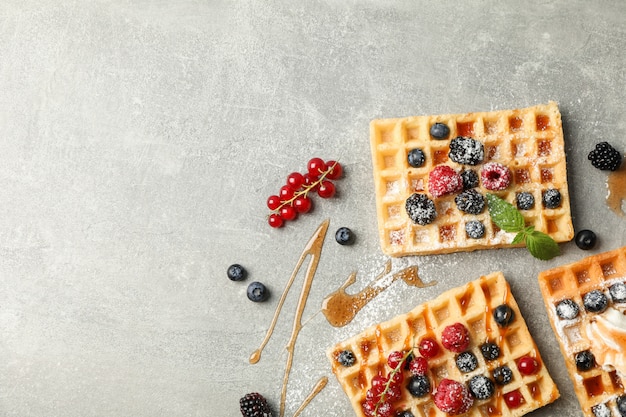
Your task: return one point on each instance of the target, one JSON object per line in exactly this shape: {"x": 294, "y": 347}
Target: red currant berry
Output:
{"x": 273, "y": 202}
{"x": 418, "y": 366}
{"x": 385, "y": 410}
{"x": 310, "y": 182}
{"x": 326, "y": 190}
{"x": 394, "y": 392}
{"x": 288, "y": 212}
{"x": 378, "y": 384}
{"x": 396, "y": 379}
{"x": 286, "y": 193}
{"x": 428, "y": 348}
{"x": 369, "y": 408}
{"x": 302, "y": 204}
{"x": 513, "y": 399}
{"x": 527, "y": 365}
{"x": 316, "y": 167}
{"x": 275, "y": 220}
{"x": 371, "y": 396}
{"x": 334, "y": 170}
{"x": 295, "y": 180}
{"x": 394, "y": 359}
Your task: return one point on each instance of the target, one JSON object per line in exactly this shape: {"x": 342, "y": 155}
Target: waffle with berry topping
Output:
{"x": 466, "y": 352}
{"x": 586, "y": 302}
{"x": 515, "y": 154}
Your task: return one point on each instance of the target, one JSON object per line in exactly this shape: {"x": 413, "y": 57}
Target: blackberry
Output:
{"x": 618, "y": 292}
{"x": 466, "y": 362}
{"x": 346, "y": 358}
{"x": 439, "y": 131}
{"x": 595, "y": 301}
{"x": 551, "y": 198}
{"x": 405, "y": 413}
{"x": 584, "y": 360}
{"x": 419, "y": 385}
{"x": 605, "y": 157}
{"x": 416, "y": 158}
{"x": 420, "y": 209}
{"x": 503, "y": 315}
{"x": 466, "y": 151}
{"x": 585, "y": 239}
{"x": 601, "y": 410}
{"x": 567, "y": 309}
{"x": 470, "y": 179}
{"x": 621, "y": 405}
{"x": 502, "y": 375}
{"x": 481, "y": 387}
{"x": 490, "y": 351}
{"x": 254, "y": 405}
{"x": 257, "y": 292}
{"x": 344, "y": 236}
{"x": 470, "y": 202}
{"x": 525, "y": 200}
{"x": 236, "y": 272}
{"x": 475, "y": 229}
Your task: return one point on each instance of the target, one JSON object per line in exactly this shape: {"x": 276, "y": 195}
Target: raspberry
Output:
{"x": 418, "y": 366}
{"x": 452, "y": 397}
{"x": 466, "y": 151}
{"x": 254, "y": 405}
{"x": 444, "y": 180}
{"x": 495, "y": 176}
{"x": 470, "y": 202}
{"x": 455, "y": 338}
{"x": 420, "y": 209}
{"x": 605, "y": 157}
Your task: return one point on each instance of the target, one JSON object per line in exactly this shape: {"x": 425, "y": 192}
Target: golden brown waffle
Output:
{"x": 471, "y": 305}
{"x": 528, "y": 141}
{"x": 599, "y": 387}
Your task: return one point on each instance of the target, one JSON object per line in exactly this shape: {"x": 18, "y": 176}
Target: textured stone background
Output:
{"x": 139, "y": 141}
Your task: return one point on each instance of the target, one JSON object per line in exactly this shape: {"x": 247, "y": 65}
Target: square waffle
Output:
{"x": 580, "y": 329}
{"x": 473, "y": 306}
{"x": 528, "y": 141}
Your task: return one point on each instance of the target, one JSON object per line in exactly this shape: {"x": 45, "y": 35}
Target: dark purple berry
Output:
{"x": 595, "y": 301}
{"x": 584, "y": 360}
{"x": 503, "y": 315}
{"x": 257, "y": 292}
{"x": 585, "y": 239}
{"x": 481, "y": 387}
{"x": 416, "y": 158}
{"x": 236, "y": 272}
{"x": 567, "y": 309}
{"x": 439, "y": 131}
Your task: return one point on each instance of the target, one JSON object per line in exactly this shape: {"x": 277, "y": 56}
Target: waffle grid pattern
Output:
{"x": 529, "y": 141}
{"x": 595, "y": 386}
{"x": 471, "y": 305}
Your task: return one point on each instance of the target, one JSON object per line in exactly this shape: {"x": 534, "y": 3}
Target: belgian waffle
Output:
{"x": 599, "y": 387}
{"x": 528, "y": 141}
{"x": 471, "y": 305}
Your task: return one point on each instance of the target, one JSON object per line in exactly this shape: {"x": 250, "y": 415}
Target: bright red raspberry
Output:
{"x": 453, "y": 398}
{"x": 418, "y": 366}
{"x": 444, "y": 180}
{"x": 428, "y": 348}
{"x": 495, "y": 176}
{"x": 527, "y": 365}
{"x": 455, "y": 338}
{"x": 394, "y": 359}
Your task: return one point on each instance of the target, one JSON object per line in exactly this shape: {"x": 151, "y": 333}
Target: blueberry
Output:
{"x": 470, "y": 201}
{"x": 466, "y": 362}
{"x": 470, "y": 179}
{"x": 502, "y": 375}
{"x": 618, "y": 292}
{"x": 420, "y": 209}
{"x": 551, "y": 198}
{"x": 416, "y": 158}
{"x": 466, "y": 151}
{"x": 595, "y": 301}
{"x": 346, "y": 358}
{"x": 481, "y": 387}
{"x": 439, "y": 131}
{"x": 344, "y": 236}
{"x": 475, "y": 229}
{"x": 490, "y": 351}
{"x": 601, "y": 410}
{"x": 418, "y": 385}
{"x": 567, "y": 309}
{"x": 621, "y": 405}
{"x": 503, "y": 315}
{"x": 525, "y": 200}
{"x": 405, "y": 413}
{"x": 236, "y": 272}
{"x": 585, "y": 239}
{"x": 257, "y": 292}
{"x": 584, "y": 360}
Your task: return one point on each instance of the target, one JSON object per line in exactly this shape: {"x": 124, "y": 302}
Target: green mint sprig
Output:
{"x": 507, "y": 218}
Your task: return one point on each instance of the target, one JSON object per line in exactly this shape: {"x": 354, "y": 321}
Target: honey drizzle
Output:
{"x": 616, "y": 185}
{"x": 340, "y": 308}
{"x": 316, "y": 390}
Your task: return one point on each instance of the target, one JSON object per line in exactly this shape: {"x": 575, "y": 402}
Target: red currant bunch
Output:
{"x": 385, "y": 390}
{"x": 293, "y": 198}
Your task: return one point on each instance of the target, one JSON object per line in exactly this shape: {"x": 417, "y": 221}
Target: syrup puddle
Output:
{"x": 340, "y": 308}
{"x": 616, "y": 184}
{"x": 314, "y": 249}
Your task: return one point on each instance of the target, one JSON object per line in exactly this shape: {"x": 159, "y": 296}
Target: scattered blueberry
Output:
{"x": 601, "y": 410}
{"x": 503, "y": 315}
{"x": 439, "y": 131}
{"x": 236, "y": 272}
{"x": 418, "y": 385}
{"x": 470, "y": 202}
{"x": 481, "y": 387}
{"x": 502, "y": 375}
{"x": 551, "y": 198}
{"x": 621, "y": 405}
{"x": 420, "y": 209}
{"x": 595, "y": 301}
{"x": 585, "y": 239}
{"x": 475, "y": 229}
{"x": 344, "y": 236}
{"x": 346, "y": 358}
{"x": 490, "y": 351}
{"x": 470, "y": 179}
{"x": 605, "y": 157}
{"x": 525, "y": 200}
{"x": 405, "y": 413}
{"x": 567, "y": 309}
{"x": 618, "y": 292}
{"x": 584, "y": 360}
{"x": 466, "y": 362}
{"x": 466, "y": 151}
{"x": 257, "y": 292}
{"x": 416, "y": 158}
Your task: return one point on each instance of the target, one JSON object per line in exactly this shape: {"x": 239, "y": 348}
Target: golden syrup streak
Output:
{"x": 616, "y": 184}
{"x": 316, "y": 390}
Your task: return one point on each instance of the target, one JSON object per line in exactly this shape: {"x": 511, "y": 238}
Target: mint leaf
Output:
{"x": 541, "y": 246}
{"x": 504, "y": 214}
{"x": 519, "y": 238}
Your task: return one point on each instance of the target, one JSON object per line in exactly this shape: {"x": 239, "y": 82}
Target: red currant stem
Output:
{"x": 393, "y": 372}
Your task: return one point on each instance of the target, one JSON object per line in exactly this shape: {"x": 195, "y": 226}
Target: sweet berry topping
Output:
{"x": 275, "y": 220}
{"x": 416, "y": 158}
{"x": 288, "y": 212}
{"x": 601, "y": 410}
{"x": 418, "y": 366}
{"x": 466, "y": 151}
{"x": 428, "y": 348}
{"x": 295, "y": 180}
{"x": 490, "y": 351}
{"x": 344, "y": 236}
{"x": 335, "y": 170}
{"x": 584, "y": 360}
{"x": 394, "y": 359}
{"x": 455, "y": 338}
{"x": 257, "y": 292}
{"x": 420, "y": 209}
{"x": 236, "y": 272}
{"x": 405, "y": 413}
{"x": 502, "y": 375}
{"x": 585, "y": 239}
{"x": 470, "y": 201}
{"x": 469, "y": 178}
{"x": 475, "y": 229}
{"x": 618, "y": 292}
{"x": 444, "y": 180}
{"x": 326, "y": 190}
{"x": 346, "y": 358}
{"x": 439, "y": 131}
{"x": 551, "y": 198}
{"x": 595, "y": 301}
{"x": 273, "y": 202}
{"x": 466, "y": 362}
{"x": 503, "y": 315}
{"x": 605, "y": 157}
{"x": 452, "y": 397}
{"x": 254, "y": 405}
{"x": 316, "y": 166}
{"x": 621, "y": 405}
{"x": 567, "y": 309}
{"x": 495, "y": 176}
{"x": 527, "y": 365}
{"x": 481, "y": 387}
{"x": 525, "y": 200}
{"x": 418, "y": 385}
{"x": 513, "y": 399}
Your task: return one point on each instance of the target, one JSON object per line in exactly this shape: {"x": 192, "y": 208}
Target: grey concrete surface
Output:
{"x": 139, "y": 141}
